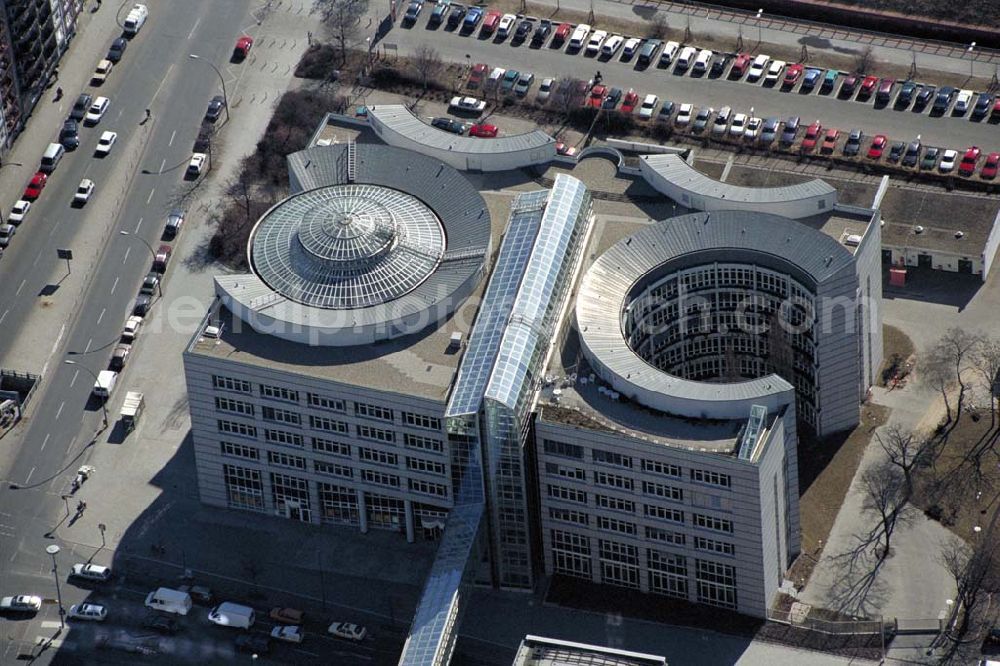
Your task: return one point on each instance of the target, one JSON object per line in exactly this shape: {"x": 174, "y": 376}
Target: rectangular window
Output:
{"x": 338, "y": 504}
{"x": 612, "y": 480}
{"x": 657, "y": 467}
{"x": 571, "y": 554}
{"x": 708, "y": 501}
{"x": 667, "y": 573}
{"x": 712, "y": 523}
{"x": 235, "y": 428}
{"x": 244, "y": 488}
{"x": 567, "y": 494}
{"x": 231, "y": 384}
{"x": 279, "y": 415}
{"x": 284, "y": 437}
{"x": 619, "y": 563}
{"x": 663, "y": 490}
{"x": 566, "y": 472}
{"x": 379, "y": 478}
{"x": 278, "y": 393}
{"x": 378, "y": 457}
{"x": 423, "y": 443}
{"x": 665, "y": 536}
{"x": 613, "y": 525}
{"x": 614, "y": 503}
{"x": 285, "y": 460}
{"x": 421, "y": 421}
{"x": 331, "y": 447}
{"x": 611, "y": 458}
{"x": 663, "y": 513}
{"x": 568, "y": 516}
{"x": 428, "y": 488}
{"x": 563, "y": 449}
{"x": 333, "y": 469}
{"x": 428, "y": 466}
{"x": 233, "y": 450}
{"x": 716, "y": 583}
{"x": 376, "y": 434}
{"x": 329, "y": 425}
{"x": 367, "y": 411}
{"x": 711, "y": 478}
{"x": 326, "y": 402}
{"x": 233, "y": 406}
{"x": 713, "y": 546}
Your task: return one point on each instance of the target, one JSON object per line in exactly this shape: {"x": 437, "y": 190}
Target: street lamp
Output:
{"x": 104, "y": 400}
{"x": 760, "y": 38}
{"x": 53, "y": 550}
{"x": 225, "y": 98}
{"x": 66, "y": 500}
{"x": 100, "y": 526}
{"x": 972, "y": 60}
{"x": 159, "y": 283}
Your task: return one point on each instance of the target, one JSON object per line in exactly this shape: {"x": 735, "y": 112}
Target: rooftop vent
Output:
{"x": 853, "y": 240}
{"x": 455, "y": 341}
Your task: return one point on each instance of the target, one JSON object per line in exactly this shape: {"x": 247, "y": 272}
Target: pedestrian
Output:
{"x": 147, "y": 114}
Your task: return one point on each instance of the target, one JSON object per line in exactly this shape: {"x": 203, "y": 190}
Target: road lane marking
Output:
{"x": 28, "y": 480}
{"x": 172, "y": 136}
{"x": 193, "y": 28}
{"x": 86, "y": 349}
{"x": 55, "y": 345}
{"x": 114, "y": 286}
{"x": 73, "y": 381}
{"x": 101, "y": 316}
{"x": 137, "y": 225}
{"x": 163, "y": 164}
{"x": 150, "y": 197}
{"x": 4, "y": 315}
{"x": 47, "y": 436}
{"x": 165, "y": 77}
{"x": 125, "y": 258}
{"x": 58, "y": 412}
{"x": 18, "y": 292}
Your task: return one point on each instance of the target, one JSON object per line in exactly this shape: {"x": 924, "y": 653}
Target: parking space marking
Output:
{"x": 163, "y": 164}
{"x": 4, "y": 315}
{"x": 193, "y": 28}
{"x": 87, "y": 348}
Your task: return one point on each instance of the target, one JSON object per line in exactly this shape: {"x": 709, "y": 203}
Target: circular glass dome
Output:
{"x": 347, "y": 246}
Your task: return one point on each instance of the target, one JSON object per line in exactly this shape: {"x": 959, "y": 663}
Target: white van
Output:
{"x": 757, "y": 67}
{"x": 701, "y": 64}
{"x": 169, "y": 601}
{"x": 228, "y": 614}
{"x": 51, "y": 157}
{"x": 668, "y": 53}
{"x": 684, "y": 59}
{"x": 105, "y": 383}
{"x": 136, "y": 18}
{"x": 580, "y": 34}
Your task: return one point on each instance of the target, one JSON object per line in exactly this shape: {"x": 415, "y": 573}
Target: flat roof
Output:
{"x": 539, "y": 651}
{"x": 942, "y": 216}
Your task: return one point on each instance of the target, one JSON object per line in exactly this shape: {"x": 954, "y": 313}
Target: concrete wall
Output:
{"x": 839, "y": 366}
{"x": 992, "y": 244}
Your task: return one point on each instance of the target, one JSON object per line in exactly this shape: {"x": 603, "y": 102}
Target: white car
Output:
{"x": 18, "y": 211}
{"x": 97, "y": 111}
{"x": 738, "y": 125}
{"x": 22, "y": 603}
{"x": 721, "y": 120}
{"x": 506, "y": 23}
{"x": 196, "y": 164}
{"x": 757, "y": 67}
{"x": 948, "y": 159}
{"x": 578, "y": 36}
{"x": 545, "y": 90}
{"x": 131, "y": 330}
{"x": 631, "y": 46}
{"x": 90, "y": 572}
{"x": 88, "y": 611}
{"x": 105, "y": 143}
{"x": 468, "y": 104}
{"x": 684, "y": 114}
{"x": 962, "y": 101}
{"x": 596, "y": 41}
{"x": 288, "y": 633}
{"x": 753, "y": 129}
{"x": 496, "y": 76}
{"x": 83, "y": 191}
{"x": 648, "y": 106}
{"x": 349, "y": 631}
{"x": 100, "y": 74}
{"x": 7, "y": 232}
{"x": 703, "y": 60}
{"x": 611, "y": 45}
{"x": 774, "y": 71}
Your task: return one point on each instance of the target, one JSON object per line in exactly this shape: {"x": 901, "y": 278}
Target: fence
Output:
{"x": 832, "y": 627}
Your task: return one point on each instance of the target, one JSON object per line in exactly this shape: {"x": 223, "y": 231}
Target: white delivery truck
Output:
{"x": 105, "y": 384}
{"x": 132, "y": 409}
{"x": 228, "y": 614}
{"x": 169, "y": 601}
{"x": 136, "y": 18}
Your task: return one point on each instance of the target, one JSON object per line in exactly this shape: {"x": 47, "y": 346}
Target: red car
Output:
{"x": 812, "y": 136}
{"x": 740, "y": 65}
{"x": 991, "y": 165}
{"x": 830, "y": 140}
{"x": 35, "y": 187}
{"x": 564, "y": 149}
{"x": 491, "y": 21}
{"x": 243, "y": 46}
{"x": 562, "y": 33}
{"x": 792, "y": 74}
{"x": 597, "y": 95}
{"x": 631, "y": 99}
{"x": 967, "y": 166}
{"x": 161, "y": 258}
{"x": 878, "y": 146}
{"x": 479, "y": 72}
{"x": 483, "y": 131}
{"x": 850, "y": 83}
{"x": 868, "y": 86}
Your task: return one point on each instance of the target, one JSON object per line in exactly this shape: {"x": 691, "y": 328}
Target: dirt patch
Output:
{"x": 898, "y": 353}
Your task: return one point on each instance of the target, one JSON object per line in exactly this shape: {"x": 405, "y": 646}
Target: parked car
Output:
{"x": 912, "y": 153}
{"x": 906, "y": 94}
{"x": 119, "y": 357}
{"x": 719, "y": 64}
{"x": 505, "y": 25}
{"x": 611, "y": 98}
{"x": 22, "y": 603}
{"x": 97, "y": 111}
{"x": 562, "y": 33}
{"x": 596, "y": 98}
{"x": 88, "y": 611}
{"x": 150, "y": 283}
{"x": 131, "y": 329}
{"x": 69, "y": 135}
{"x": 853, "y": 144}
{"x": 790, "y": 129}
{"x": 83, "y": 192}
{"x": 596, "y": 41}
{"x": 990, "y": 166}
{"x": 541, "y": 33}
{"x": 18, "y": 211}
{"x": 215, "y": 107}
{"x": 924, "y": 95}
{"x": 490, "y": 22}
{"x": 35, "y": 186}
{"x": 455, "y": 16}
{"x": 439, "y": 11}
{"x": 774, "y": 72}
{"x": 949, "y": 158}
{"x": 812, "y": 136}
{"x": 162, "y": 624}
{"x": 666, "y": 110}
{"x": 884, "y": 94}
{"x": 811, "y": 78}
{"x": 105, "y": 143}
{"x": 253, "y": 643}
{"x": 701, "y": 119}
{"x": 288, "y": 634}
{"x": 348, "y": 630}
{"x": 479, "y": 71}
{"x": 544, "y": 90}
{"x": 792, "y": 75}
{"x": 983, "y": 103}
{"x": 930, "y": 158}
{"x": 175, "y": 220}
{"x": 757, "y": 68}
{"x": 472, "y": 18}
{"x": 878, "y": 146}
{"x": 161, "y": 258}
{"x": 943, "y": 99}
{"x": 242, "y": 48}
{"x": 483, "y": 131}
{"x": 967, "y": 166}
{"x": 740, "y": 65}
{"x": 509, "y": 79}
{"x": 449, "y": 125}
{"x": 722, "y": 120}
{"x": 140, "y": 308}
{"x": 117, "y": 50}
{"x": 470, "y": 104}
{"x": 684, "y": 114}
{"x": 101, "y": 72}
{"x": 611, "y": 45}
{"x": 80, "y": 107}
{"x": 849, "y": 86}
{"x": 630, "y": 47}
{"x": 769, "y": 130}
{"x": 630, "y": 101}
{"x": 523, "y": 84}
{"x": 830, "y": 140}
{"x": 7, "y": 232}
{"x": 896, "y": 151}
{"x": 738, "y": 125}
{"x": 196, "y": 164}
{"x": 648, "y": 106}
{"x": 287, "y": 615}
{"x": 753, "y": 129}
{"x": 829, "y": 81}
{"x": 867, "y": 87}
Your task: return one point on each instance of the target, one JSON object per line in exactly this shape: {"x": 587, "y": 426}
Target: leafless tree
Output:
{"x": 885, "y": 497}
{"x": 658, "y": 26}
{"x": 426, "y": 62}
{"x": 567, "y": 95}
{"x": 986, "y": 363}
{"x": 956, "y": 348}
{"x": 906, "y": 450}
{"x": 342, "y": 20}
{"x": 974, "y": 569}
{"x": 937, "y": 372}
{"x": 864, "y": 60}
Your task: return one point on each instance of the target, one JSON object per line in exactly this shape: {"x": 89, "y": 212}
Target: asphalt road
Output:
{"x": 155, "y": 73}
{"x": 702, "y": 91}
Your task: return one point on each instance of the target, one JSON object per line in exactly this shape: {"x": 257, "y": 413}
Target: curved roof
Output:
{"x": 694, "y": 238}
{"x": 676, "y": 170}
{"x": 375, "y": 242}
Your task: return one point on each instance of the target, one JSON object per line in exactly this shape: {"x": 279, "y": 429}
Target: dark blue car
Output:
{"x": 472, "y": 18}
{"x": 811, "y": 78}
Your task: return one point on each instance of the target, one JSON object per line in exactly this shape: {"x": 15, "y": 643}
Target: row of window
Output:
{"x": 655, "y": 511}
{"x": 316, "y": 423}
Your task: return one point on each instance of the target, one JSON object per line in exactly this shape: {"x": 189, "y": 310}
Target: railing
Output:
{"x": 832, "y": 627}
